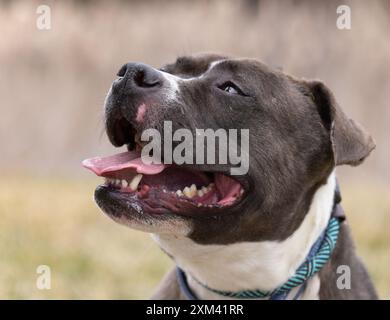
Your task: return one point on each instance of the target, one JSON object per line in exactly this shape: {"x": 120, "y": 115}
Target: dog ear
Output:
{"x": 351, "y": 144}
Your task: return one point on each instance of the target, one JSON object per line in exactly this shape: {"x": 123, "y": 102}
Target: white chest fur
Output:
{"x": 253, "y": 265}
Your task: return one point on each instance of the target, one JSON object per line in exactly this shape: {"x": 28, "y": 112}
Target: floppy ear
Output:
{"x": 351, "y": 144}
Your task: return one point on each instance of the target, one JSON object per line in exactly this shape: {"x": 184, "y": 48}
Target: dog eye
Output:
{"x": 231, "y": 88}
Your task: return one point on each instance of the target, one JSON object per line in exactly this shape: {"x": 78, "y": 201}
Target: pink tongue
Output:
{"x": 120, "y": 161}
{"x": 228, "y": 188}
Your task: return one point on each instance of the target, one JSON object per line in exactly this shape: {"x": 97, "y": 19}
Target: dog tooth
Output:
{"x": 187, "y": 192}
{"x": 135, "y": 182}
{"x": 193, "y": 190}
{"x": 205, "y": 190}
{"x": 117, "y": 182}
{"x": 124, "y": 183}
{"x": 200, "y": 193}
{"x": 179, "y": 193}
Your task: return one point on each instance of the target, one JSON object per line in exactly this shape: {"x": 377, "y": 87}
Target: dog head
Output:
{"x": 297, "y": 135}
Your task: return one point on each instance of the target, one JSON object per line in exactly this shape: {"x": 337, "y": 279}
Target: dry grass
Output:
{"x": 54, "y": 222}
{"x": 368, "y": 212}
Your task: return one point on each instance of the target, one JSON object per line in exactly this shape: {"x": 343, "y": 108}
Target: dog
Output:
{"x": 251, "y": 242}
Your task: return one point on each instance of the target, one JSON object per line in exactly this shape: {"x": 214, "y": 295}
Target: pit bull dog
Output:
{"x": 274, "y": 232}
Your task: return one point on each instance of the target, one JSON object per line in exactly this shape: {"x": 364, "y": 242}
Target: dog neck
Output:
{"x": 261, "y": 265}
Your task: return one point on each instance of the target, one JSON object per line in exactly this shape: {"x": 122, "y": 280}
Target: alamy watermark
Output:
{"x": 44, "y": 277}
{"x": 44, "y": 17}
{"x": 232, "y": 145}
{"x": 343, "y": 281}
{"x": 343, "y": 21}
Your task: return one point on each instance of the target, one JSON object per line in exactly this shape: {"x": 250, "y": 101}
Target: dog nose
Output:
{"x": 140, "y": 75}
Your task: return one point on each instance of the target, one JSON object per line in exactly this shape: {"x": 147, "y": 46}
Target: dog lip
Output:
{"x": 115, "y": 203}
{"x": 120, "y": 131}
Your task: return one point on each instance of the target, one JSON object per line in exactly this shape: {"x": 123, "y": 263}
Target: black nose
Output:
{"x": 140, "y": 75}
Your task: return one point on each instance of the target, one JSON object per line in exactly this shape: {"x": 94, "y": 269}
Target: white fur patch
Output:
{"x": 261, "y": 265}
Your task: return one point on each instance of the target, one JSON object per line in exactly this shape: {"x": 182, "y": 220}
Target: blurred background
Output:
{"x": 52, "y": 86}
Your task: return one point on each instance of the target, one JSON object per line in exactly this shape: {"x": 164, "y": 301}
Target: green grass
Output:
{"x": 55, "y": 223}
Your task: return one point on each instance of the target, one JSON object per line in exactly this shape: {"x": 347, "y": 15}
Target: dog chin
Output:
{"x": 131, "y": 213}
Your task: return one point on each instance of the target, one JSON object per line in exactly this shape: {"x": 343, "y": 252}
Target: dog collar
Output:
{"x": 318, "y": 255}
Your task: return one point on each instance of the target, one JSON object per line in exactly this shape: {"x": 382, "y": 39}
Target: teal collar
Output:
{"x": 319, "y": 254}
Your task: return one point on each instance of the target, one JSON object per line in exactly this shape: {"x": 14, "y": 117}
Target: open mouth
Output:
{"x": 160, "y": 188}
